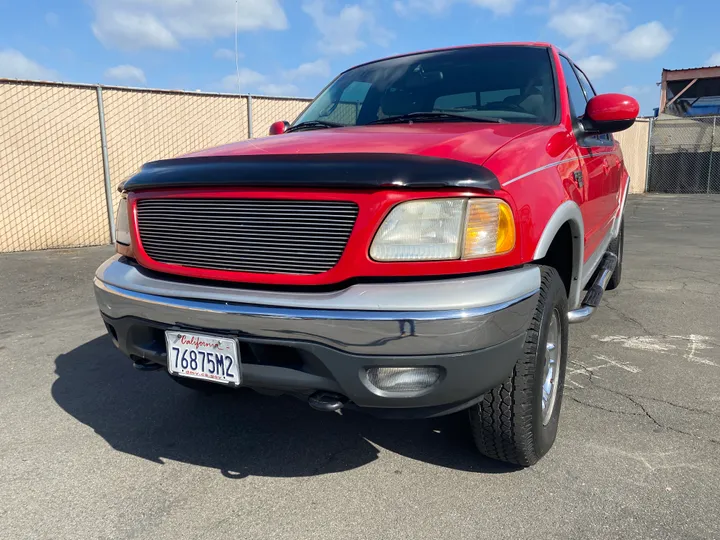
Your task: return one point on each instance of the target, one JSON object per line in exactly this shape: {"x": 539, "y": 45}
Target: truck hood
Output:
{"x": 428, "y": 156}
{"x": 473, "y": 143}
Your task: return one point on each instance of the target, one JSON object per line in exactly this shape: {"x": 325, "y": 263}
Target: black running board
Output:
{"x": 595, "y": 292}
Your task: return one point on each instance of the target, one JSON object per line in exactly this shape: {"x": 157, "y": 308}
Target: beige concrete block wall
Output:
{"x": 52, "y": 191}
{"x": 146, "y": 126}
{"x": 634, "y": 144}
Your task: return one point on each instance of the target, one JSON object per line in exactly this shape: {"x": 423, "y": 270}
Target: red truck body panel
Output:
{"x": 464, "y": 142}
{"x": 537, "y": 167}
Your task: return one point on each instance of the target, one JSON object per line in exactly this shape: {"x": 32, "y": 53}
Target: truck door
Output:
{"x": 593, "y": 168}
{"x": 613, "y": 165}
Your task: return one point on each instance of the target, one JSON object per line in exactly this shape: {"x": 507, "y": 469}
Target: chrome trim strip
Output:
{"x": 246, "y": 235}
{"x": 555, "y": 164}
{"x": 436, "y": 295}
{"x": 225, "y": 308}
{"x": 362, "y": 332}
{"x": 621, "y": 212}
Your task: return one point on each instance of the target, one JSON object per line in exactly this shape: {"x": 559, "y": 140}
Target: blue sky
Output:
{"x": 294, "y": 47}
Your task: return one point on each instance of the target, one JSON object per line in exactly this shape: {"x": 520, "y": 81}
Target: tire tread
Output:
{"x": 502, "y": 423}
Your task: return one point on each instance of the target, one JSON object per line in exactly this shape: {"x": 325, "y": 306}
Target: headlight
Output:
{"x": 445, "y": 229}
{"x": 122, "y": 224}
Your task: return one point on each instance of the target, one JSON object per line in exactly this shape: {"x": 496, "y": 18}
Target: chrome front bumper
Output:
{"x": 413, "y": 318}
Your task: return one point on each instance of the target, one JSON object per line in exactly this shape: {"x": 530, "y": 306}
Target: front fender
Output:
{"x": 568, "y": 212}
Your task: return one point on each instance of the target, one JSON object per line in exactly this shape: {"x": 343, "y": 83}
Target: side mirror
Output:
{"x": 278, "y": 128}
{"x": 609, "y": 113}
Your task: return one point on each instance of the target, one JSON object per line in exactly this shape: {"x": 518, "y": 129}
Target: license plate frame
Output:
{"x": 211, "y": 353}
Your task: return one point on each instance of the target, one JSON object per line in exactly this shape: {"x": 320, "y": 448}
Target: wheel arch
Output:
{"x": 567, "y": 217}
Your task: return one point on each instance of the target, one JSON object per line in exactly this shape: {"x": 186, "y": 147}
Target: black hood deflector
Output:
{"x": 339, "y": 171}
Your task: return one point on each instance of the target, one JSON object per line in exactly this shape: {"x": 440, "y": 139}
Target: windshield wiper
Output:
{"x": 313, "y": 124}
{"x": 434, "y": 117}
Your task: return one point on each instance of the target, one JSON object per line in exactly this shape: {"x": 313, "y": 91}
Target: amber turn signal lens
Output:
{"x": 489, "y": 228}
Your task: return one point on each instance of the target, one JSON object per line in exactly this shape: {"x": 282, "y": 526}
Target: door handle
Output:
{"x": 578, "y": 177}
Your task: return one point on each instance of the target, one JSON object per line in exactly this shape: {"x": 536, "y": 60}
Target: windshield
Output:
{"x": 507, "y": 83}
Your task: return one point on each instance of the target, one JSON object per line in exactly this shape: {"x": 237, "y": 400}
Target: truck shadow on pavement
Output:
{"x": 241, "y": 433}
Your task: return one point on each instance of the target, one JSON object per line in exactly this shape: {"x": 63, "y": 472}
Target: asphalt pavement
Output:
{"x": 91, "y": 448}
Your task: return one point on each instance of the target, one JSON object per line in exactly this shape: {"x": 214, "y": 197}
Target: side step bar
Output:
{"x": 594, "y": 294}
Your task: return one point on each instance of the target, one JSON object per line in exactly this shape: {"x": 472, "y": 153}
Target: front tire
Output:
{"x": 517, "y": 422}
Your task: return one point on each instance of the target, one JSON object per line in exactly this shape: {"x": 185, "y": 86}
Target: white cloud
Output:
{"x": 252, "y": 82}
{"x": 163, "y": 24}
{"x": 596, "y": 66}
{"x": 52, "y": 19}
{"x": 638, "y": 90}
{"x": 318, "y": 68}
{"x": 714, "y": 60}
{"x": 410, "y": 7}
{"x": 243, "y": 81}
{"x": 130, "y": 31}
{"x": 15, "y": 65}
{"x": 249, "y": 81}
{"x": 588, "y": 23}
{"x": 126, "y": 73}
{"x": 644, "y": 42}
{"x": 341, "y": 33}
{"x": 279, "y": 89}
{"x": 227, "y": 54}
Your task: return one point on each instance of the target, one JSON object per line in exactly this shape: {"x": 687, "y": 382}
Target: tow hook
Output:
{"x": 326, "y": 401}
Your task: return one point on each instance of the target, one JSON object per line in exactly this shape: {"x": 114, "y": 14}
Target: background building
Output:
{"x": 690, "y": 92}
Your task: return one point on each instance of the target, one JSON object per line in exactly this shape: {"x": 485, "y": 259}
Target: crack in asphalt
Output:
{"x": 684, "y": 407}
{"x": 627, "y": 318}
{"x": 601, "y": 408}
{"x": 645, "y": 412}
{"x": 692, "y": 271}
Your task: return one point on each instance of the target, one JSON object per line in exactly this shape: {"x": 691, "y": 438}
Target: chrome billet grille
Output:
{"x": 246, "y": 235}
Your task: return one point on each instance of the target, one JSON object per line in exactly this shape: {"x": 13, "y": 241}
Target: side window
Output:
{"x": 468, "y": 100}
{"x": 589, "y": 94}
{"x": 587, "y": 87}
{"x": 575, "y": 91}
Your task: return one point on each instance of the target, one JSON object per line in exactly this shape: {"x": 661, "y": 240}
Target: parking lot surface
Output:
{"x": 91, "y": 448}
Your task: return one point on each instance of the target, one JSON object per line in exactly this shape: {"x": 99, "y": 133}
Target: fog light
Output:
{"x": 403, "y": 379}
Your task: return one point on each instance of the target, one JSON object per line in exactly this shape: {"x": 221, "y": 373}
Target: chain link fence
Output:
{"x": 51, "y": 170}
{"x": 266, "y": 110}
{"x": 64, "y": 149}
{"x": 147, "y": 126}
{"x": 684, "y": 155}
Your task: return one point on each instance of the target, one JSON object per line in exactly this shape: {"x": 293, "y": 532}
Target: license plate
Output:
{"x": 198, "y": 356}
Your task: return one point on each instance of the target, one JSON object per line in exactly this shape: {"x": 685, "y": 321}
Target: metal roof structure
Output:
{"x": 690, "y": 91}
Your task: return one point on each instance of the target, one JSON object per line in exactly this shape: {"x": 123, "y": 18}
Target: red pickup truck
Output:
{"x": 413, "y": 245}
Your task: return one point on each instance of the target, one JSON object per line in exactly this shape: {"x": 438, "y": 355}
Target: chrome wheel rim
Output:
{"x": 551, "y": 367}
